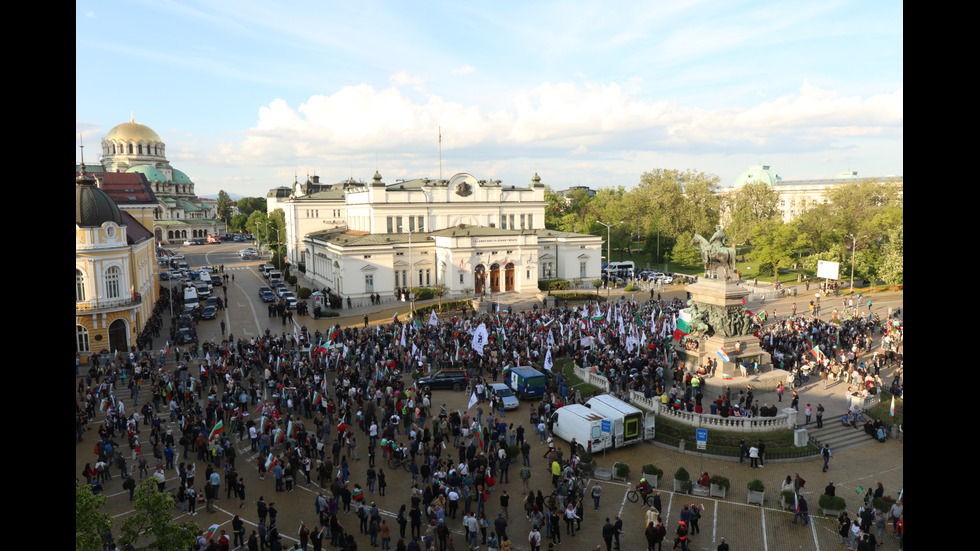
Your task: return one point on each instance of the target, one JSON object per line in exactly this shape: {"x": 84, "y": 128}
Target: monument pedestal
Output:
{"x": 728, "y": 296}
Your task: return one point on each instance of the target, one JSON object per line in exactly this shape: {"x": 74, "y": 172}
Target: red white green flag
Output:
{"x": 891, "y": 410}
{"x": 218, "y": 428}
{"x": 480, "y": 438}
{"x": 211, "y": 532}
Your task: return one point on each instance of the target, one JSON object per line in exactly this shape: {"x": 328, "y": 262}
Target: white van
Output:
{"x": 578, "y": 422}
{"x": 629, "y": 423}
{"x": 190, "y": 294}
{"x": 275, "y": 276}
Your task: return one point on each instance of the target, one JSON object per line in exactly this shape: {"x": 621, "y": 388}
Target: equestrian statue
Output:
{"x": 715, "y": 255}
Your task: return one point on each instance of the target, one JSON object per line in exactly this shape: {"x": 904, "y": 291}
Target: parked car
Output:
{"x": 209, "y": 313}
{"x": 266, "y": 294}
{"x": 290, "y": 299}
{"x": 455, "y": 379}
{"x": 505, "y": 394}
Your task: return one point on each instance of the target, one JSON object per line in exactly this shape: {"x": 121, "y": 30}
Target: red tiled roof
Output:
{"x": 126, "y": 188}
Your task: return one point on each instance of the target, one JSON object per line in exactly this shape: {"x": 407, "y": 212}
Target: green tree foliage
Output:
{"x": 237, "y": 223}
{"x": 152, "y": 526}
{"x": 748, "y": 206}
{"x": 224, "y": 206}
{"x": 775, "y": 245}
{"x": 685, "y": 254}
{"x": 892, "y": 257}
{"x": 90, "y": 521}
{"x": 675, "y": 201}
{"x": 248, "y": 205}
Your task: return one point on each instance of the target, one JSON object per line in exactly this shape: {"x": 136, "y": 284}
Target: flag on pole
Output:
{"x": 724, "y": 357}
{"x": 472, "y": 400}
{"x": 480, "y": 438}
{"x": 548, "y": 363}
{"x": 218, "y": 428}
{"x": 211, "y": 532}
{"x": 891, "y": 410}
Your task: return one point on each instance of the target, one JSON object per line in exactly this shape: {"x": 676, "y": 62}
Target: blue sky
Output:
{"x": 248, "y": 94}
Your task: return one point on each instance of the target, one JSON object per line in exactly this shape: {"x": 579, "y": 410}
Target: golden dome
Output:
{"x": 132, "y": 132}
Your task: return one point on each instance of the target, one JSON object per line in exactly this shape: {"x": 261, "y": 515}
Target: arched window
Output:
{"x": 129, "y": 148}
{"x": 112, "y": 281}
{"x": 80, "y": 294}
{"x": 140, "y": 148}
{"x": 81, "y": 339}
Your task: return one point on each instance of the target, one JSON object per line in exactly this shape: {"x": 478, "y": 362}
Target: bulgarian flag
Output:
{"x": 317, "y": 399}
{"x": 302, "y": 526}
{"x": 270, "y": 462}
{"x": 279, "y": 436}
{"x": 218, "y": 428}
{"x": 480, "y": 438}
{"x": 291, "y": 430}
{"x": 796, "y": 502}
{"x": 684, "y": 319}
{"x": 891, "y": 410}
{"x": 166, "y": 347}
{"x": 211, "y": 532}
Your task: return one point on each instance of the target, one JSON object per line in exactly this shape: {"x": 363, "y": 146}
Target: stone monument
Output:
{"x": 716, "y": 315}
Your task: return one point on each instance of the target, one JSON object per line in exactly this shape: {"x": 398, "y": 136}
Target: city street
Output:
{"x": 744, "y": 526}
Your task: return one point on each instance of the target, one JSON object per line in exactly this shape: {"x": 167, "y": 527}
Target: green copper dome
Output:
{"x": 758, "y": 173}
{"x": 151, "y": 173}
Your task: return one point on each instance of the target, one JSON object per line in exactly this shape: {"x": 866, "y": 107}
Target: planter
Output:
{"x": 786, "y": 501}
{"x": 682, "y": 486}
{"x": 831, "y": 512}
{"x": 652, "y": 479}
{"x": 756, "y": 497}
{"x": 699, "y": 490}
{"x": 715, "y": 490}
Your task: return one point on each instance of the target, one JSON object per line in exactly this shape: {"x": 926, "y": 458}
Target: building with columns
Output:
{"x": 474, "y": 236}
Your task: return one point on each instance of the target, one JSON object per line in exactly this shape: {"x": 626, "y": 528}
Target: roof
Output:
{"x": 135, "y": 232}
{"x": 126, "y": 188}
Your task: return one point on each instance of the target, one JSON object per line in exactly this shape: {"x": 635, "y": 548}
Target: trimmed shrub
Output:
{"x": 833, "y": 503}
{"x": 682, "y": 475}
{"x": 756, "y": 486}
{"x": 303, "y": 293}
{"x": 650, "y": 468}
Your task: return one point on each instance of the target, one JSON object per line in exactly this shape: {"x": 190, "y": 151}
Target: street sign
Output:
{"x": 606, "y": 426}
{"x": 702, "y": 437}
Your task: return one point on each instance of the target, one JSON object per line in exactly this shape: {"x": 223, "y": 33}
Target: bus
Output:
{"x": 213, "y": 239}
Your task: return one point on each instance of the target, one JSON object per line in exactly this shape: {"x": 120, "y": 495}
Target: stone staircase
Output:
{"x": 839, "y": 437}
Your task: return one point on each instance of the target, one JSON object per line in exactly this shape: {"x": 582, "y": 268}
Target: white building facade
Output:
{"x": 474, "y": 236}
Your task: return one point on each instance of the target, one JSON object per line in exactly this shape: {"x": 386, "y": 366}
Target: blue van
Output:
{"x": 526, "y": 382}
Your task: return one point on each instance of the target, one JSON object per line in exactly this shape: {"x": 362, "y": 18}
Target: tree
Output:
{"x": 237, "y": 223}
{"x": 685, "y": 254}
{"x": 440, "y": 290}
{"x": 90, "y": 522}
{"x": 892, "y": 269}
{"x": 224, "y": 206}
{"x": 776, "y": 243}
{"x": 684, "y": 201}
{"x": 152, "y": 523}
{"x": 748, "y": 206}
{"x": 554, "y": 210}
{"x": 248, "y": 205}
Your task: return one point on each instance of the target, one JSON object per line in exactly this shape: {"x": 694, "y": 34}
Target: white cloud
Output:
{"x": 558, "y": 119}
{"x": 464, "y": 70}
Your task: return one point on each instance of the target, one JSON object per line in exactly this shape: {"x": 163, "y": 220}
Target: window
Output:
{"x": 512, "y": 226}
{"x": 581, "y": 269}
{"x": 112, "y": 277}
{"x": 80, "y": 293}
{"x": 401, "y": 225}
{"x": 396, "y": 279}
{"x": 411, "y": 223}
{"x": 391, "y": 228}
{"x": 421, "y": 223}
{"x": 522, "y": 222}
{"x": 427, "y": 274}
{"x": 369, "y": 283}
{"x": 503, "y": 222}
{"x": 81, "y": 339}
{"x": 461, "y": 278}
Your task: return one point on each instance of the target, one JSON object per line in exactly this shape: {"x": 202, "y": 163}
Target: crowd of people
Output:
{"x": 311, "y": 403}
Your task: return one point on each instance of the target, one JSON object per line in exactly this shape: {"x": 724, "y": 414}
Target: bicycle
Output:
{"x": 634, "y": 495}
{"x": 395, "y": 464}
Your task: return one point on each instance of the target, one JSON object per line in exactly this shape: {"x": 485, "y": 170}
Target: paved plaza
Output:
{"x": 744, "y": 526}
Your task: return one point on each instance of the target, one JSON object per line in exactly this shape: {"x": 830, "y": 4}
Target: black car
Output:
{"x": 454, "y": 379}
{"x": 209, "y": 313}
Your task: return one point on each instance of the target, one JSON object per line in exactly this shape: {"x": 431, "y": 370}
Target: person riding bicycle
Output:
{"x": 644, "y": 488}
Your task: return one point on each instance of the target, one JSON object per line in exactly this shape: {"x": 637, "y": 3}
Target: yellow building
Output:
{"x": 116, "y": 281}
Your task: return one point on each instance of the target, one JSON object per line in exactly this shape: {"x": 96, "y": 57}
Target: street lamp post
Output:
{"x": 609, "y": 252}
{"x": 853, "y": 250}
